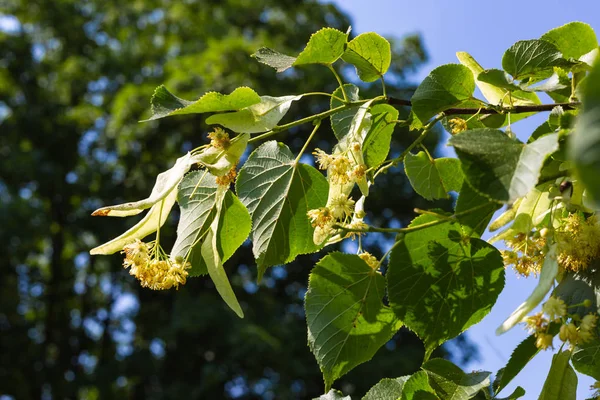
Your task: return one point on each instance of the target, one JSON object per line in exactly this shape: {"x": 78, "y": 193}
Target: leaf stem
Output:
{"x": 339, "y": 80}
{"x": 317, "y": 125}
{"x": 323, "y": 94}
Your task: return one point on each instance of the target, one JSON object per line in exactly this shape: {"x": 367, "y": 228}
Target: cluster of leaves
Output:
{"x": 441, "y": 277}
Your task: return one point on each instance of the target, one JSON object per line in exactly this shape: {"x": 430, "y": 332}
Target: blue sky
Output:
{"x": 485, "y": 29}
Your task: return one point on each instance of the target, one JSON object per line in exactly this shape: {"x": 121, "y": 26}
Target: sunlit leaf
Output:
{"x": 165, "y": 104}
{"x": 561, "y": 383}
{"x": 433, "y": 179}
{"x": 499, "y": 167}
{"x": 347, "y": 320}
{"x": 371, "y": 55}
{"x": 450, "y": 382}
{"x": 441, "y": 280}
{"x": 445, "y": 87}
{"x": 278, "y": 193}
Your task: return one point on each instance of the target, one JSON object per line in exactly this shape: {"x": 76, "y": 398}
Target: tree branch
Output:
{"x": 493, "y": 110}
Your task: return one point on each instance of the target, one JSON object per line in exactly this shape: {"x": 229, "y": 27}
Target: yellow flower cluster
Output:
{"x": 340, "y": 168}
{"x": 573, "y": 329}
{"x": 219, "y": 139}
{"x": 457, "y": 125}
{"x": 578, "y": 242}
{"x": 527, "y": 253}
{"x": 228, "y": 178}
{"x": 151, "y": 270}
{"x": 370, "y": 260}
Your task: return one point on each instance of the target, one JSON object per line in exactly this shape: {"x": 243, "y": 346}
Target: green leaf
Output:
{"x": 499, "y": 167}
{"x": 234, "y": 226}
{"x": 347, "y": 320}
{"x": 274, "y": 59}
{"x": 441, "y": 281}
{"x": 256, "y": 118}
{"x": 474, "y": 222}
{"x": 433, "y": 179}
{"x": 519, "y": 358}
{"x": 377, "y": 142}
{"x": 561, "y": 383}
{"x": 584, "y": 142}
{"x": 445, "y": 87}
{"x": 528, "y": 58}
{"x": 417, "y": 387}
{"x": 573, "y": 40}
{"x": 450, "y": 382}
{"x": 341, "y": 121}
{"x": 197, "y": 201}
{"x": 165, "y": 104}
{"x": 333, "y": 395}
{"x": 196, "y": 198}
{"x": 387, "y": 389}
{"x": 371, "y": 54}
{"x": 586, "y": 358}
{"x": 214, "y": 263}
{"x": 278, "y": 193}
{"x": 324, "y": 47}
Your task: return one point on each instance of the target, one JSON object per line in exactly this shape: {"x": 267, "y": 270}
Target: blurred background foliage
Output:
{"x": 75, "y": 77}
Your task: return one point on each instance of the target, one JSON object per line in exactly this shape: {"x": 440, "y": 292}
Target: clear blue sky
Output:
{"x": 485, "y": 29}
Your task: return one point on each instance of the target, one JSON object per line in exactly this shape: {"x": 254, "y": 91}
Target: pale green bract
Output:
{"x": 256, "y": 118}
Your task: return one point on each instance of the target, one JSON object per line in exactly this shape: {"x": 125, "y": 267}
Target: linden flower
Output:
{"x": 320, "y": 217}
{"x": 568, "y": 332}
{"x": 357, "y": 224}
{"x": 338, "y": 169}
{"x": 219, "y": 139}
{"x": 136, "y": 252}
{"x": 555, "y": 308}
{"x": 543, "y": 341}
{"x": 228, "y": 178}
{"x": 358, "y": 172}
{"x": 536, "y": 323}
{"x": 341, "y": 207}
{"x": 370, "y": 260}
{"x": 457, "y": 125}
{"x": 588, "y": 323}
{"x": 578, "y": 242}
{"x": 527, "y": 254}
{"x": 323, "y": 159}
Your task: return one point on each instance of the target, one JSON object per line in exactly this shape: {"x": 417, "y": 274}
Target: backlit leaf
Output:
{"x": 278, "y": 193}
{"x": 165, "y": 104}
{"x": 371, "y": 55}
{"x": 441, "y": 281}
{"x": 347, "y": 320}
{"x": 445, "y": 87}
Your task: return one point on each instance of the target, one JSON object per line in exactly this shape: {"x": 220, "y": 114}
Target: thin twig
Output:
{"x": 494, "y": 110}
